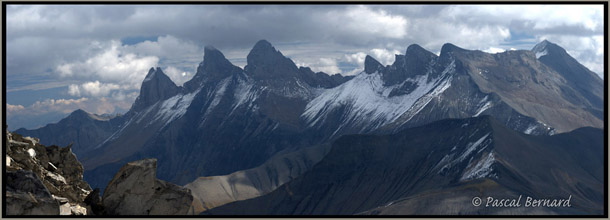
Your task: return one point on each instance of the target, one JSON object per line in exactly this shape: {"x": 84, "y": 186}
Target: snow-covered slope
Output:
{"x": 367, "y": 102}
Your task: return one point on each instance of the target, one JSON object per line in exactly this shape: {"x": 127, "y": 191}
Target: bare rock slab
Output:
{"x": 26, "y": 195}
{"x": 135, "y": 190}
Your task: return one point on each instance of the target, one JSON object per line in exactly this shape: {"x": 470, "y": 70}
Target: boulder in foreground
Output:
{"x": 135, "y": 190}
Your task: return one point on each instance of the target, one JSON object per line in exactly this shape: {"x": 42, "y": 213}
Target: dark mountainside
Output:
{"x": 438, "y": 168}
{"x": 581, "y": 79}
{"x": 81, "y": 129}
{"x": 190, "y": 132}
{"x": 228, "y": 119}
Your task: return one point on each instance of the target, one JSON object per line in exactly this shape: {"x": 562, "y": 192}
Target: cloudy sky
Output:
{"x": 94, "y": 57}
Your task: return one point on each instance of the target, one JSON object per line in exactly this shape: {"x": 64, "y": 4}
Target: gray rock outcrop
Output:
{"x": 135, "y": 190}
{"x": 56, "y": 169}
{"x": 27, "y": 195}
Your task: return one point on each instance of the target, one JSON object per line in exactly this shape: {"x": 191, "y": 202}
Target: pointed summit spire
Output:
{"x": 547, "y": 48}
{"x": 371, "y": 64}
{"x": 214, "y": 67}
{"x": 449, "y": 47}
{"x": 79, "y": 113}
{"x": 415, "y": 50}
{"x": 263, "y": 53}
{"x": 415, "y": 62}
{"x": 576, "y": 74}
{"x": 265, "y": 62}
{"x": 155, "y": 87}
{"x": 212, "y": 56}
{"x": 263, "y": 45}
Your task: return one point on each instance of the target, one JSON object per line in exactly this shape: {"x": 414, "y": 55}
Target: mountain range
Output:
{"x": 438, "y": 168}
{"x": 227, "y": 119}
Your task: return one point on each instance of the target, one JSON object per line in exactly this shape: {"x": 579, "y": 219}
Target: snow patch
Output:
{"x": 220, "y": 91}
{"x": 541, "y": 53}
{"x": 530, "y": 129}
{"x": 57, "y": 177}
{"x": 472, "y": 147}
{"x": 484, "y": 107}
{"x": 32, "y": 152}
{"x": 174, "y": 107}
{"x": 450, "y": 160}
{"x": 368, "y": 103}
{"x": 53, "y": 166}
{"x": 245, "y": 93}
{"x": 150, "y": 76}
{"x": 481, "y": 169}
{"x": 31, "y": 139}
{"x": 425, "y": 100}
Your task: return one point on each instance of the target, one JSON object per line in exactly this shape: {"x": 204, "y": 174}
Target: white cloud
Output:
{"x": 95, "y": 88}
{"x": 101, "y": 105}
{"x": 123, "y": 67}
{"x": 541, "y": 16}
{"x": 81, "y": 46}
{"x": 326, "y": 65}
{"x": 11, "y": 109}
{"x": 45, "y": 106}
{"x": 357, "y": 58}
{"x": 112, "y": 65}
{"x": 495, "y": 50}
{"x": 178, "y": 76}
{"x": 364, "y": 20}
{"x": 384, "y": 56}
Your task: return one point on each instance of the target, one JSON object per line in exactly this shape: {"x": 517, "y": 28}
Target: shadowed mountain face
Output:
{"x": 156, "y": 87}
{"x": 228, "y": 119}
{"x": 224, "y": 120}
{"x": 81, "y": 129}
{"x": 438, "y": 168}
{"x": 584, "y": 83}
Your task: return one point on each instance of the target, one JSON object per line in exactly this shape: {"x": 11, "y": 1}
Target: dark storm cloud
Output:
{"x": 104, "y": 51}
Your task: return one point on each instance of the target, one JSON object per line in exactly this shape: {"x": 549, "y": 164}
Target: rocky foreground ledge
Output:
{"x": 49, "y": 181}
{"x": 135, "y": 190}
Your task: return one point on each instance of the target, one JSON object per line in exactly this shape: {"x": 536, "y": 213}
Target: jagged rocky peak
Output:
{"x": 371, "y": 65}
{"x": 155, "y": 87}
{"x": 265, "y": 62}
{"x": 79, "y": 113}
{"x": 450, "y": 48}
{"x": 540, "y": 49}
{"x": 213, "y": 56}
{"x": 415, "y": 62}
{"x": 585, "y": 81}
{"x": 215, "y": 66}
{"x": 546, "y": 47}
{"x": 416, "y": 51}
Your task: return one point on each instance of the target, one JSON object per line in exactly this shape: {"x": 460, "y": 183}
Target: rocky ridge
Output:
{"x": 438, "y": 168}
{"x": 53, "y": 173}
{"x": 135, "y": 190}
{"x": 49, "y": 181}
